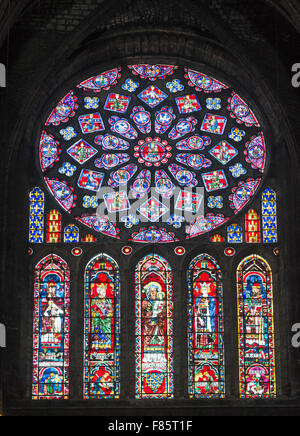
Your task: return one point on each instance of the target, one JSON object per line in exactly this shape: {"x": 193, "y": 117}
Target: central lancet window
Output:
{"x": 206, "y": 329}
{"x": 154, "y": 329}
{"x": 102, "y": 329}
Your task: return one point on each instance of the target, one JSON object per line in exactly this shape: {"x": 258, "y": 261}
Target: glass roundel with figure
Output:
{"x": 152, "y": 153}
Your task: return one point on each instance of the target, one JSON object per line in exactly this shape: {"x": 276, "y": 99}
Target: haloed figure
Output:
{"x": 154, "y": 318}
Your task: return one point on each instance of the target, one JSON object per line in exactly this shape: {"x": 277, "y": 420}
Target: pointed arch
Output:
{"x": 154, "y": 329}
{"x": 206, "y": 329}
{"x": 51, "y": 335}
{"x": 102, "y": 329}
{"x": 256, "y": 329}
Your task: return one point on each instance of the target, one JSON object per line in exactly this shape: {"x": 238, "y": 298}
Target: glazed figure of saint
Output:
{"x": 257, "y": 384}
{"x": 215, "y": 181}
{"x": 188, "y": 105}
{"x": 55, "y": 313}
{"x": 90, "y": 124}
{"x": 223, "y": 154}
{"x": 154, "y": 317}
{"x": 52, "y": 322}
{"x": 103, "y": 311}
{"x": 118, "y": 104}
{"x": 213, "y": 125}
{"x": 102, "y": 382}
{"x": 117, "y": 201}
{"x": 208, "y": 381}
{"x": 52, "y": 384}
{"x": 51, "y": 290}
{"x": 91, "y": 181}
{"x": 153, "y": 150}
{"x": 204, "y": 314}
{"x": 189, "y": 202}
{"x": 82, "y": 152}
{"x": 255, "y": 309}
{"x": 152, "y": 95}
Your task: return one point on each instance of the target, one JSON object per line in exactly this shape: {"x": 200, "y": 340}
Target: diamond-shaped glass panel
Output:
{"x": 152, "y": 96}
{"x": 224, "y": 152}
{"x": 153, "y": 210}
{"x": 82, "y": 152}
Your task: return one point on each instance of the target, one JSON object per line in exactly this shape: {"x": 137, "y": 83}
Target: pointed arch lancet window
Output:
{"x": 234, "y": 234}
{"x": 206, "y": 329}
{"x": 51, "y": 329}
{"x": 102, "y": 329}
{"x": 36, "y": 216}
{"x": 269, "y": 217}
{"x": 256, "y": 329}
{"x": 71, "y": 234}
{"x": 154, "y": 329}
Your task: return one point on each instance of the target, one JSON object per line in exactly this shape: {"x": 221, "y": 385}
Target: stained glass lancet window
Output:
{"x": 102, "y": 329}
{"x": 252, "y": 227}
{"x": 51, "y": 329}
{"x": 54, "y": 227}
{"x": 256, "y": 329}
{"x": 206, "y": 329}
{"x": 154, "y": 329}
{"x": 269, "y": 217}
{"x": 71, "y": 234}
{"x": 36, "y": 216}
{"x": 235, "y": 234}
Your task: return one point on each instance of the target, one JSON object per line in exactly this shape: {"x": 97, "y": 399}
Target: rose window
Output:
{"x": 148, "y": 143}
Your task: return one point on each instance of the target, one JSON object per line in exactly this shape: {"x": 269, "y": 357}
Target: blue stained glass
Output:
{"x": 269, "y": 217}
{"x": 36, "y": 216}
{"x": 235, "y": 234}
{"x": 71, "y": 234}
